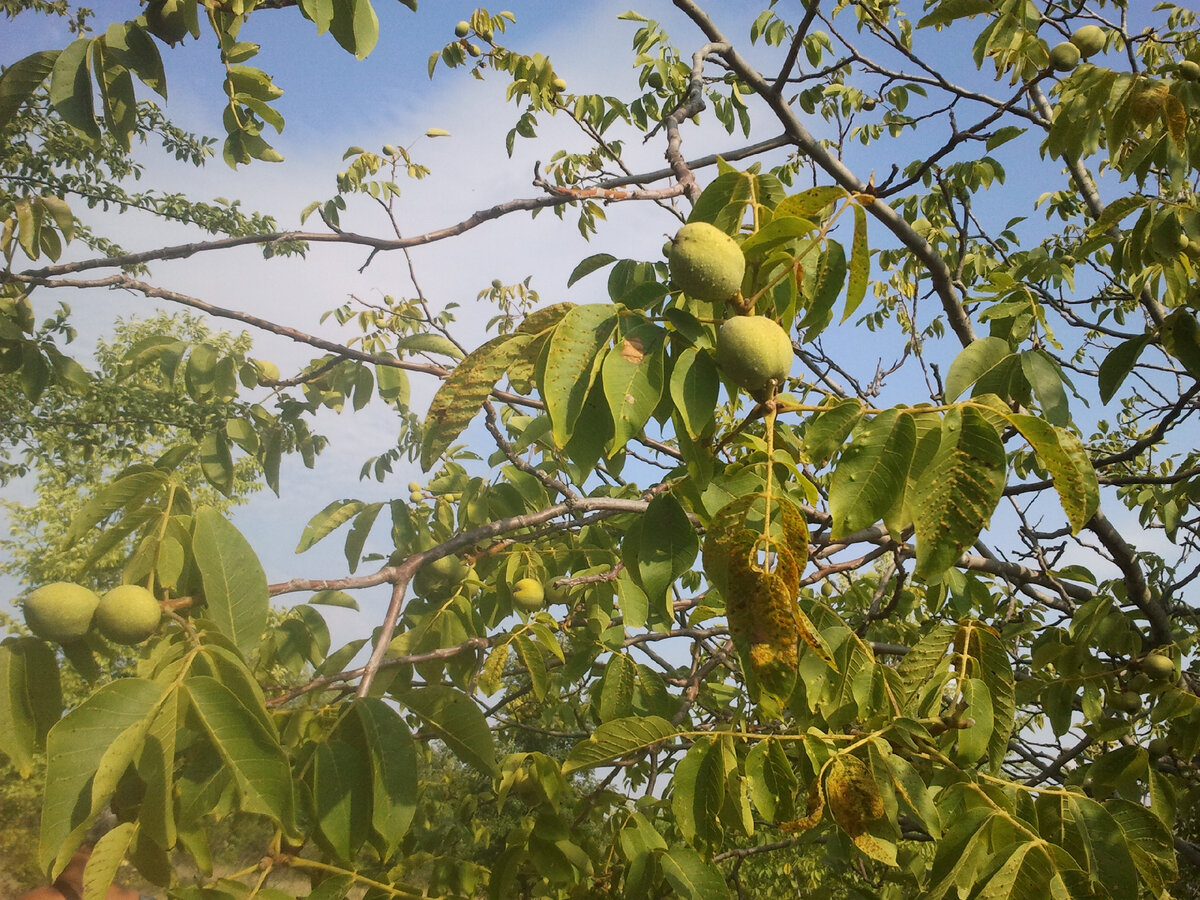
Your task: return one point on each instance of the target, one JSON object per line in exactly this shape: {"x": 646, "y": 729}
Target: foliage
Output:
{"x": 930, "y": 622}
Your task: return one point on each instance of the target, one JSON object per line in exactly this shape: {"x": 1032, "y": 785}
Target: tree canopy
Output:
{"x": 902, "y": 610}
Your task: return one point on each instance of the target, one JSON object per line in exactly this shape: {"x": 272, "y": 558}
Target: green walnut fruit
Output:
{"x": 559, "y": 84}
{"x": 556, "y": 594}
{"x": 654, "y": 80}
{"x": 438, "y": 580}
{"x": 1126, "y": 701}
{"x": 1160, "y": 746}
{"x": 529, "y": 594}
{"x": 1189, "y": 70}
{"x": 754, "y": 351}
{"x": 1158, "y": 666}
{"x": 128, "y": 614}
{"x": 706, "y": 262}
{"x": 1064, "y": 57}
{"x": 414, "y": 486}
{"x": 415, "y": 497}
{"x": 61, "y": 611}
{"x": 167, "y": 21}
{"x": 462, "y": 29}
{"x": 869, "y": 103}
{"x": 474, "y": 50}
{"x": 1088, "y": 40}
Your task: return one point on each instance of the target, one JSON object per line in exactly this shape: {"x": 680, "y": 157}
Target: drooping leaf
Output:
{"x": 86, "y": 753}
{"x": 1046, "y": 380}
{"x": 457, "y": 721}
{"x": 249, "y": 751}
{"x": 235, "y": 585}
{"x": 30, "y": 699}
{"x": 342, "y": 798}
{"x": 856, "y": 805}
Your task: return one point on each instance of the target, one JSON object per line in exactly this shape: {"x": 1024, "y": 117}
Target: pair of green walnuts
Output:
{"x": 755, "y": 352}
{"x": 64, "y": 613}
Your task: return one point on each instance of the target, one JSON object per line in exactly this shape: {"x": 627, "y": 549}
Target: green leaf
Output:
{"x": 127, "y": 492}
{"x": 632, "y": 375}
{"x": 695, "y": 385}
{"x": 1063, "y": 455}
{"x": 571, "y": 363}
{"x": 106, "y": 859}
{"x": 957, "y": 492}
{"x": 235, "y": 585}
{"x": 1045, "y": 378}
{"x": 328, "y": 520}
{"x": 617, "y": 739}
{"x": 826, "y": 431}
{"x": 21, "y": 79}
{"x": 341, "y": 794}
{"x": 1119, "y": 363}
{"x": 393, "y": 758}
{"x": 462, "y": 394}
{"x": 971, "y": 743}
{"x": 249, "y": 752}
{"x": 668, "y": 546}
{"x": 1148, "y": 840}
{"x": 355, "y": 26}
{"x": 975, "y": 361}
{"x": 590, "y": 265}
{"x": 691, "y": 876}
{"x": 698, "y": 791}
{"x": 71, "y": 88}
{"x": 860, "y": 264}
{"x": 871, "y": 471}
{"x": 30, "y": 699}
{"x": 430, "y": 342}
{"x": 216, "y": 460}
{"x": 457, "y": 721}
{"x": 86, "y": 754}
{"x": 772, "y": 781}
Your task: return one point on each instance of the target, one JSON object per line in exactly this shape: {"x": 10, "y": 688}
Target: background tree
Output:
{"x": 927, "y": 615}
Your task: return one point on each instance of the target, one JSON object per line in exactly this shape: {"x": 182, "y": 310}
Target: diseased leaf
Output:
{"x": 462, "y": 394}
{"x": 572, "y": 363}
{"x": 1063, "y": 455}
{"x": 870, "y": 474}
{"x": 633, "y": 381}
{"x": 957, "y": 493}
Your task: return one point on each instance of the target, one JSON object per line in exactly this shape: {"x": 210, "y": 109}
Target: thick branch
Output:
{"x": 940, "y": 274}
